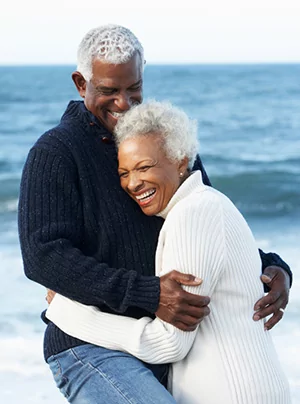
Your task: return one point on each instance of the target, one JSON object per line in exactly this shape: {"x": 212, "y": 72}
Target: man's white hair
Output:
{"x": 111, "y": 43}
{"x": 178, "y": 131}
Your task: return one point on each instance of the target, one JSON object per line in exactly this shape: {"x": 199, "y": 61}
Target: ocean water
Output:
{"x": 249, "y": 131}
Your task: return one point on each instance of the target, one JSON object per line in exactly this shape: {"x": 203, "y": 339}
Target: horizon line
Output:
{"x": 237, "y": 63}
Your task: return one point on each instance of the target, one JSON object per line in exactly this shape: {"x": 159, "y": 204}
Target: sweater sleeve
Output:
{"x": 194, "y": 242}
{"x": 51, "y": 231}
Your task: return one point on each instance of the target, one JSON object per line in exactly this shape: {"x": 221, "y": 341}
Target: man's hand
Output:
{"x": 176, "y": 306}
{"x": 278, "y": 281}
{"x": 50, "y": 295}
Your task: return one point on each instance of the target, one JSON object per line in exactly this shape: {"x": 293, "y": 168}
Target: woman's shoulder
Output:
{"x": 202, "y": 197}
{"x": 202, "y": 201}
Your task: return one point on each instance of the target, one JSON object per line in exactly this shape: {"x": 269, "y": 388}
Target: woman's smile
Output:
{"x": 146, "y": 197}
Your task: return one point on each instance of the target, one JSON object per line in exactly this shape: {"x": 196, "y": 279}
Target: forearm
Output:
{"x": 269, "y": 259}
{"x": 152, "y": 341}
{"x": 72, "y": 274}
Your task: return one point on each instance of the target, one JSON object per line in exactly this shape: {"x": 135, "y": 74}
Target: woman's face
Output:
{"x": 146, "y": 174}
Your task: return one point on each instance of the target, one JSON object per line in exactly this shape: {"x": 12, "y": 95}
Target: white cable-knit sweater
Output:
{"x": 229, "y": 359}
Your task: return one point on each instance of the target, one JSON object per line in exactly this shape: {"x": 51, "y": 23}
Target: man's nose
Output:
{"x": 123, "y": 101}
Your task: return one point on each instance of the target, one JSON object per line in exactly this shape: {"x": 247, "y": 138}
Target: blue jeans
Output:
{"x": 89, "y": 374}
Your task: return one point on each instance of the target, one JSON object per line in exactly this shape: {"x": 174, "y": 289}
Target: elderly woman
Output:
{"x": 229, "y": 358}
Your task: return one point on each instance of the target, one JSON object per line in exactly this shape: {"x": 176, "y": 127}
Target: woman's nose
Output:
{"x": 135, "y": 183}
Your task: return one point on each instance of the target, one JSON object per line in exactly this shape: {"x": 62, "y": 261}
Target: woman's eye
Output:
{"x": 144, "y": 168}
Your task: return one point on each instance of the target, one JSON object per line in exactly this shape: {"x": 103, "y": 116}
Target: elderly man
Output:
{"x": 84, "y": 238}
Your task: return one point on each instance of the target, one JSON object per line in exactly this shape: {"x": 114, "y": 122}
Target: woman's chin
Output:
{"x": 150, "y": 210}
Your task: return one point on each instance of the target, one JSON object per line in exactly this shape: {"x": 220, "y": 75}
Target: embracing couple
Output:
{"x": 133, "y": 265}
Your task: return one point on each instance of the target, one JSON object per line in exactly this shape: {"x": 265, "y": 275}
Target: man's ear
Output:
{"x": 80, "y": 83}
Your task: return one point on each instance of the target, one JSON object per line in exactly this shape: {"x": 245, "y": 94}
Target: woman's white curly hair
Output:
{"x": 178, "y": 131}
{"x": 111, "y": 43}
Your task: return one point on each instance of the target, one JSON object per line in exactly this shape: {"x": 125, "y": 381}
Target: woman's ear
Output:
{"x": 80, "y": 83}
{"x": 183, "y": 166}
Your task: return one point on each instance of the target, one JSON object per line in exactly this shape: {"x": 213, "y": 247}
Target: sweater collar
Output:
{"x": 184, "y": 190}
{"x": 77, "y": 108}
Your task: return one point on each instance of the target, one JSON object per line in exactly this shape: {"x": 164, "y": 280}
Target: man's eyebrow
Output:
{"x": 102, "y": 87}
{"x": 112, "y": 87}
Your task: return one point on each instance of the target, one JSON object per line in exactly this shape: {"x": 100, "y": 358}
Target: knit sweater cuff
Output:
{"x": 146, "y": 293}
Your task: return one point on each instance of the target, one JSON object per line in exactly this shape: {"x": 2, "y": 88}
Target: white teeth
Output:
{"x": 145, "y": 194}
{"x": 117, "y": 114}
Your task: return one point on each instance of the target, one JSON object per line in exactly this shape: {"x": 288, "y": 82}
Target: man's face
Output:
{"x": 113, "y": 89}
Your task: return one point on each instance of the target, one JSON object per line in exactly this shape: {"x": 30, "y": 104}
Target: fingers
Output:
{"x": 196, "y": 312}
{"x": 273, "y": 320}
{"x": 185, "y": 302}
{"x": 272, "y": 309}
{"x": 185, "y": 279}
{"x": 266, "y": 278}
{"x": 184, "y": 320}
{"x": 267, "y": 300}
{"x": 50, "y": 295}
{"x": 173, "y": 295}
{"x": 178, "y": 307}
{"x": 267, "y": 311}
{"x": 187, "y": 323}
{"x": 194, "y": 300}
{"x": 185, "y": 327}
{"x": 270, "y": 304}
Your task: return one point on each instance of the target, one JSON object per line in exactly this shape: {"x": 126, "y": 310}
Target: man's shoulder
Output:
{"x": 53, "y": 140}
{"x": 63, "y": 136}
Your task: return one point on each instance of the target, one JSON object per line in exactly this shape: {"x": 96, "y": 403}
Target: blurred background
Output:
{"x": 234, "y": 67}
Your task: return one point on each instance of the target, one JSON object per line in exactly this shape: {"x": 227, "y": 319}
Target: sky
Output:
{"x": 171, "y": 31}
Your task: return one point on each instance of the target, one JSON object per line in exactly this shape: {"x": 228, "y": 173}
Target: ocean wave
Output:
{"x": 4, "y": 165}
{"x": 268, "y": 194}
{"x": 9, "y": 206}
{"x": 271, "y": 210}
{"x": 9, "y": 189}
{"x": 254, "y": 159}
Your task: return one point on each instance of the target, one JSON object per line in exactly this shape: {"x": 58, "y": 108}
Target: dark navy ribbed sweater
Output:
{"x": 80, "y": 233}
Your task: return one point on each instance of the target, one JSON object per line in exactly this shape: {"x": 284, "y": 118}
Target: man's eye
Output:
{"x": 123, "y": 175}
{"x": 106, "y": 92}
{"x": 136, "y": 88}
